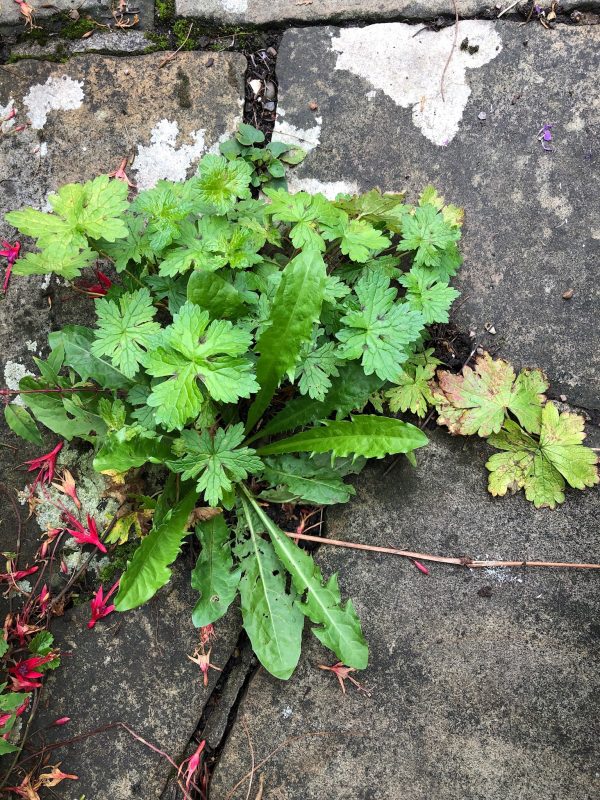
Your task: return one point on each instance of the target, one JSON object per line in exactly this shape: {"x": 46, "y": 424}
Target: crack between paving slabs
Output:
{"x": 216, "y": 722}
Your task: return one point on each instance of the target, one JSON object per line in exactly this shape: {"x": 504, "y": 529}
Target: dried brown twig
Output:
{"x": 464, "y": 561}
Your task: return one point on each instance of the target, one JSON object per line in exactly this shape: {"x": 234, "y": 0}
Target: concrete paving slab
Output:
{"x": 385, "y": 117}
{"x": 49, "y": 14}
{"x": 483, "y": 683}
{"x": 286, "y": 12}
{"x": 131, "y": 668}
{"x": 81, "y": 119}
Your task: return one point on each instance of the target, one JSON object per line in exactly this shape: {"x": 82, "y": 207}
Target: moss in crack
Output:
{"x": 160, "y": 41}
{"x": 118, "y": 561}
{"x": 165, "y": 10}
{"x": 185, "y": 39}
{"x": 75, "y": 29}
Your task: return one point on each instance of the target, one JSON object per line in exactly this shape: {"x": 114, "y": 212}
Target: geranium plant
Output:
{"x": 239, "y": 349}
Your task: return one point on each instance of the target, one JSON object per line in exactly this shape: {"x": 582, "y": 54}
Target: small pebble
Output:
{"x": 568, "y": 294}
{"x": 209, "y": 62}
{"x": 482, "y": 116}
{"x": 269, "y": 105}
{"x": 74, "y": 14}
{"x": 313, "y": 105}
{"x": 563, "y": 398}
{"x": 270, "y": 91}
{"x": 255, "y": 85}
{"x": 271, "y": 51}
{"x": 480, "y": 351}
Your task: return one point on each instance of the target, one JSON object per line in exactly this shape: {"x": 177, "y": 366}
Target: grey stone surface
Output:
{"x": 109, "y": 42}
{"x": 280, "y": 12}
{"x": 100, "y": 10}
{"x": 131, "y": 668}
{"x": 531, "y": 227}
{"x": 484, "y": 683}
{"x": 137, "y": 672}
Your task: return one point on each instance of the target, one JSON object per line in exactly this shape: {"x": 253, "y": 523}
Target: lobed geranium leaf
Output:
{"x": 217, "y": 461}
{"x": 542, "y": 465}
{"x": 125, "y": 329}
{"x": 378, "y": 330}
{"x": 478, "y": 400}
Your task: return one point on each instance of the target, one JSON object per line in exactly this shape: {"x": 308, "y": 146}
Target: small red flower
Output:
{"x": 99, "y": 288}
{"x": 61, "y": 721}
{"x": 43, "y": 600}
{"x": 99, "y": 606}
{"x": 87, "y": 535}
{"x": 421, "y": 567}
{"x": 25, "y": 673}
{"x": 121, "y": 175}
{"x": 202, "y": 659}
{"x": 46, "y": 465}
{"x": 14, "y": 576}
{"x": 67, "y": 486}
{"x": 342, "y": 673}
{"x": 193, "y": 762}
{"x": 10, "y": 251}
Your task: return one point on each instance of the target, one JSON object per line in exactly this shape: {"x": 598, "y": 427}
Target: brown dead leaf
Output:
{"x": 203, "y": 515}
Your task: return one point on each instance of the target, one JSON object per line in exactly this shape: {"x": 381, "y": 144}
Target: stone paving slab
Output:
{"x": 86, "y": 115}
{"x": 286, "y": 12}
{"x": 484, "y": 683}
{"x": 100, "y": 10}
{"x": 531, "y": 229}
{"x": 131, "y": 668}
{"x": 104, "y": 42}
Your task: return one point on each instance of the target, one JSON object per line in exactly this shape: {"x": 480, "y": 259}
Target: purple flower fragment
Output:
{"x": 545, "y": 136}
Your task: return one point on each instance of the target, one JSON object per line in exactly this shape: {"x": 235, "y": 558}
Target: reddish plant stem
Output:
{"x": 465, "y": 561}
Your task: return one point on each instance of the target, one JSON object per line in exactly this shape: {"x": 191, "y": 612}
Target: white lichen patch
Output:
{"x": 13, "y": 372}
{"x": 57, "y": 94}
{"x": 330, "y": 189}
{"x": 31, "y": 345}
{"x": 235, "y": 6}
{"x": 307, "y": 138}
{"x": 91, "y": 488}
{"x": 409, "y": 68}
{"x": 5, "y": 112}
{"x": 162, "y": 159}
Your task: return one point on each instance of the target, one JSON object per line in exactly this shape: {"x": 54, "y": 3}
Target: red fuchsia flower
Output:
{"x": 20, "y": 710}
{"x": 87, "y": 535}
{"x": 67, "y": 486}
{"x": 421, "y": 567}
{"x": 25, "y": 674}
{"x": 203, "y": 660}
{"x": 16, "y": 575}
{"x": 63, "y": 567}
{"x": 193, "y": 762}
{"x": 99, "y": 606}
{"x": 342, "y": 673}
{"x": 19, "y": 627}
{"x": 55, "y": 776}
{"x": 98, "y": 289}
{"x": 61, "y": 721}
{"x": 43, "y": 600}
{"x": 46, "y": 465}
{"x": 10, "y": 251}
{"x": 121, "y": 175}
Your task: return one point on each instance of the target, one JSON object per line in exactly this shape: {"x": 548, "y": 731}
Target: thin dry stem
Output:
{"x": 465, "y": 561}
